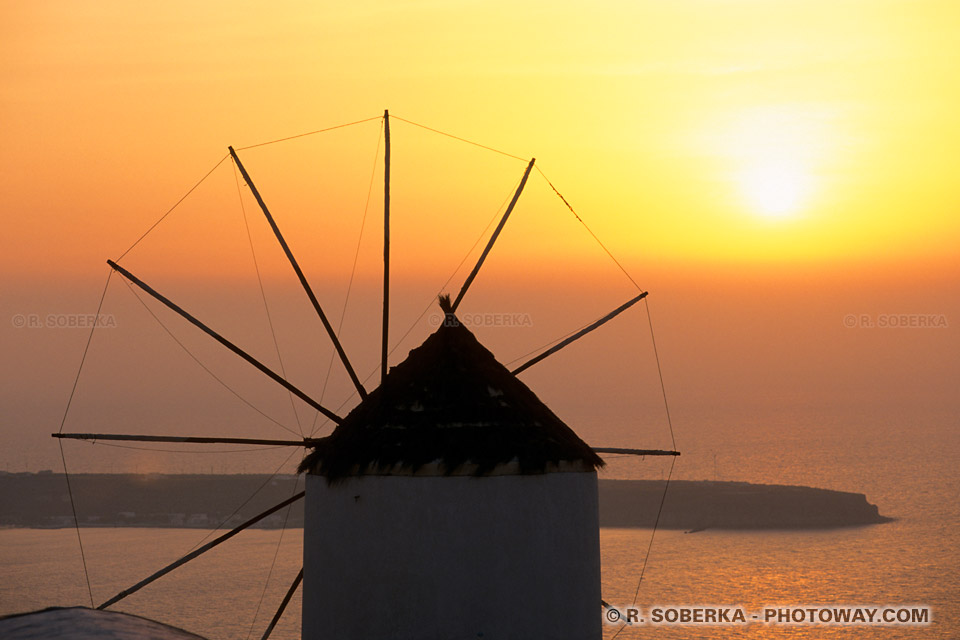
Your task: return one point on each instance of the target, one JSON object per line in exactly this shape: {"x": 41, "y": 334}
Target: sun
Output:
{"x": 775, "y": 190}
{"x": 772, "y": 156}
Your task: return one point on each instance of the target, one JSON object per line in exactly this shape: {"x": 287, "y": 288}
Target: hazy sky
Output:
{"x": 782, "y": 176}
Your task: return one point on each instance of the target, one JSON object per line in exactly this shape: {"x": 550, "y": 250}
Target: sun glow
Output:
{"x": 776, "y": 189}
{"x": 771, "y": 153}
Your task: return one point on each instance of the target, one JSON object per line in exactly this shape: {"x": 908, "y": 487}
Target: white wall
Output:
{"x": 497, "y": 557}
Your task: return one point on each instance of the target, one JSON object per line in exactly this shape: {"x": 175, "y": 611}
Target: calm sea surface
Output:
{"x": 909, "y": 467}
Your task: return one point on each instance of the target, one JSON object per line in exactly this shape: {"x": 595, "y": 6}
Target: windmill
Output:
{"x": 451, "y": 484}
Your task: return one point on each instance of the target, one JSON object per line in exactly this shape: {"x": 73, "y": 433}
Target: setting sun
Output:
{"x": 776, "y": 190}
{"x": 772, "y": 150}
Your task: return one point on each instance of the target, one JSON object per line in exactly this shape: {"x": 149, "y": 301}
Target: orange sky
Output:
{"x": 668, "y": 119}
{"x": 742, "y": 159}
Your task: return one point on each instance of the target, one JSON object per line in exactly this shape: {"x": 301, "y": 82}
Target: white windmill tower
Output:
{"x": 451, "y": 503}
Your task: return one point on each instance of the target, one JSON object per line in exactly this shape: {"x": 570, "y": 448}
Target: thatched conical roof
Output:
{"x": 450, "y": 402}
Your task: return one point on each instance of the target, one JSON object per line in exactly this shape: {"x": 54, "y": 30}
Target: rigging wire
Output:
{"x": 207, "y": 175}
{"x": 653, "y": 533}
{"x": 276, "y": 554}
{"x": 283, "y": 605}
{"x": 194, "y": 451}
{"x": 185, "y": 558}
{"x": 656, "y": 523}
{"x": 76, "y": 522}
{"x": 432, "y": 300}
{"x": 63, "y": 421}
{"x": 203, "y": 366}
{"x": 170, "y": 210}
{"x": 309, "y": 133}
{"x": 353, "y": 271}
{"x": 86, "y": 349}
{"x": 244, "y": 503}
{"x": 496, "y": 216}
{"x": 548, "y": 344}
{"x": 450, "y": 135}
{"x": 646, "y": 302}
{"x": 589, "y": 230}
{"x": 263, "y": 297}
{"x": 476, "y": 242}
{"x": 663, "y": 388}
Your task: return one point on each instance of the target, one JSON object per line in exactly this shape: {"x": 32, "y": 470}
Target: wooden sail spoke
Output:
{"x": 493, "y": 238}
{"x": 229, "y": 345}
{"x": 283, "y": 605}
{"x": 193, "y": 554}
{"x": 121, "y": 437}
{"x": 610, "y": 316}
{"x": 303, "y": 279}
{"x": 305, "y": 442}
{"x": 384, "y": 351}
{"x": 636, "y": 452}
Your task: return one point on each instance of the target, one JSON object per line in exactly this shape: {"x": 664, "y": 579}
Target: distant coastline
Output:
{"x": 40, "y": 500}
{"x": 695, "y": 505}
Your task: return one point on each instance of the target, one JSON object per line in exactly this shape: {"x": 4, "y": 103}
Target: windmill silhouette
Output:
{"x": 536, "y": 455}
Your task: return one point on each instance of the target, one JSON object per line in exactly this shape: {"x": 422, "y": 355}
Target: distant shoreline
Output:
{"x": 696, "y": 505}
{"x": 40, "y": 501}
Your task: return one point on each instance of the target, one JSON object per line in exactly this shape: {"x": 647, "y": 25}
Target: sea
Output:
{"x": 906, "y": 463}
